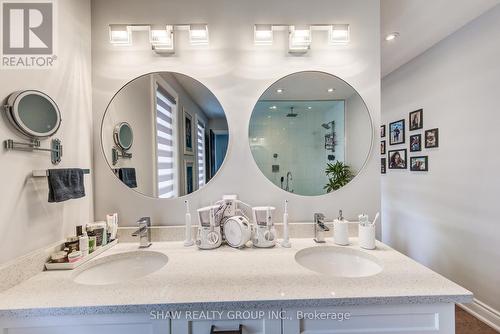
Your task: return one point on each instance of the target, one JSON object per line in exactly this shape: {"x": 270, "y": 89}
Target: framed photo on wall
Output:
{"x": 419, "y": 164}
{"x": 432, "y": 138}
{"x": 416, "y": 143}
{"x": 382, "y": 131}
{"x": 397, "y": 159}
{"x": 382, "y": 147}
{"x": 383, "y": 164}
{"x": 397, "y": 132}
{"x": 188, "y": 127}
{"x": 416, "y": 119}
{"x": 189, "y": 175}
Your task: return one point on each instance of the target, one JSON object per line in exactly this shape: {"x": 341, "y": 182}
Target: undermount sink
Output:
{"x": 339, "y": 262}
{"x": 121, "y": 267}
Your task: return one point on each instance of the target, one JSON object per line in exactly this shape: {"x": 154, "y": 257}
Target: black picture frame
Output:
{"x": 382, "y": 147}
{"x": 431, "y": 138}
{"x": 416, "y": 143}
{"x": 397, "y": 132}
{"x": 416, "y": 120}
{"x": 398, "y": 165}
{"x": 414, "y": 167}
{"x": 383, "y": 164}
{"x": 382, "y": 131}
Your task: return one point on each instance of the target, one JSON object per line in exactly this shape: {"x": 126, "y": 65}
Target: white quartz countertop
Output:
{"x": 227, "y": 278}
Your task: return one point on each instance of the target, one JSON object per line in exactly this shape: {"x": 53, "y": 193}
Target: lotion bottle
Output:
{"x": 84, "y": 243}
{"x": 341, "y": 230}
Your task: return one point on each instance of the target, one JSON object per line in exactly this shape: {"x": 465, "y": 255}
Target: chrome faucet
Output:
{"x": 288, "y": 179}
{"x": 320, "y": 228}
{"x": 144, "y": 232}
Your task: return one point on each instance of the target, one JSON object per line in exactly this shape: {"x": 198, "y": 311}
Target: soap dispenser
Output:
{"x": 341, "y": 230}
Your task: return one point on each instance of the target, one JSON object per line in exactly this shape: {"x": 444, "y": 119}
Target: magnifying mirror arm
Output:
{"x": 117, "y": 153}
{"x": 34, "y": 145}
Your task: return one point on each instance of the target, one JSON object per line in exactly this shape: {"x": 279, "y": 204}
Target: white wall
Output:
{"x": 27, "y": 220}
{"x": 237, "y": 72}
{"x": 134, "y": 105}
{"x": 447, "y": 219}
{"x": 358, "y": 132}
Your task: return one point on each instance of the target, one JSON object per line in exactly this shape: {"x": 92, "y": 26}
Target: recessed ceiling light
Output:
{"x": 309, "y": 108}
{"x": 330, "y": 90}
{"x": 279, "y": 90}
{"x": 273, "y": 107}
{"x": 392, "y": 36}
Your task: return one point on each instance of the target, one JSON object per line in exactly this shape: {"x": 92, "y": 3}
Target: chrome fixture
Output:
{"x": 300, "y": 37}
{"x": 161, "y": 36}
{"x": 144, "y": 232}
{"x": 288, "y": 179}
{"x": 320, "y": 228}
{"x": 34, "y": 145}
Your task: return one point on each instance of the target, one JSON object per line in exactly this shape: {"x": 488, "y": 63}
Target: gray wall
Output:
{"x": 447, "y": 219}
{"x": 27, "y": 220}
{"x": 237, "y": 72}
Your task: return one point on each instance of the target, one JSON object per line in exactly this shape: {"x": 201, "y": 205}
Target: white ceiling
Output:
{"x": 308, "y": 86}
{"x": 421, "y": 24}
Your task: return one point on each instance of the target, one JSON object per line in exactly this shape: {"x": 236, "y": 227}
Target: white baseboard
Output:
{"x": 483, "y": 312}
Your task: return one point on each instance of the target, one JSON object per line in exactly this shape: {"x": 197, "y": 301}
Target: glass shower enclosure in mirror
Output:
{"x": 310, "y": 133}
{"x": 164, "y": 135}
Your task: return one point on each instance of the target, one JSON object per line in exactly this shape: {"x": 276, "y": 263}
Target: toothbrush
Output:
{"x": 376, "y": 217}
{"x": 286, "y": 242}
{"x": 189, "y": 240}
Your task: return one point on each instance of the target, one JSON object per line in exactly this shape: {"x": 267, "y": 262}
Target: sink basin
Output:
{"x": 339, "y": 262}
{"x": 121, "y": 267}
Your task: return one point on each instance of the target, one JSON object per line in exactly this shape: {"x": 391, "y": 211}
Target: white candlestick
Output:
{"x": 189, "y": 240}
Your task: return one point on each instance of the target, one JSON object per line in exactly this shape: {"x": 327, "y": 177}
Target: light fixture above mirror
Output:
{"x": 300, "y": 37}
{"x": 161, "y": 37}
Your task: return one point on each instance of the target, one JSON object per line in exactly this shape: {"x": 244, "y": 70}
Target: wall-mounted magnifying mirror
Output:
{"x": 33, "y": 113}
{"x": 165, "y": 135}
{"x": 123, "y": 136}
{"x": 310, "y": 133}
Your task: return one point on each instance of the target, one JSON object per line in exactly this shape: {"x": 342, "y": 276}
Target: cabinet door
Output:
{"x": 256, "y": 325}
{"x": 394, "y": 319}
{"x": 85, "y": 324}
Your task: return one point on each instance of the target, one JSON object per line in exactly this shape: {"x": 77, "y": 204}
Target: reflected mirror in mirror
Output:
{"x": 179, "y": 133}
{"x": 123, "y": 136}
{"x": 310, "y": 133}
{"x": 33, "y": 113}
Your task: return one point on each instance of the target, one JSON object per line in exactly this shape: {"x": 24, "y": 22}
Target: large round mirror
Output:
{"x": 33, "y": 113}
{"x": 179, "y": 133}
{"x": 310, "y": 133}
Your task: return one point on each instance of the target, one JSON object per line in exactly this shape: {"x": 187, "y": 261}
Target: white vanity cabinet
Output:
{"x": 394, "y": 319}
{"x": 85, "y": 324}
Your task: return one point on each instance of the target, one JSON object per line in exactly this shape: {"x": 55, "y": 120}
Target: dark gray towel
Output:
{"x": 127, "y": 176}
{"x": 65, "y": 184}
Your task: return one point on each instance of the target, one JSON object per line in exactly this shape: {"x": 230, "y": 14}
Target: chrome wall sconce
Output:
{"x": 161, "y": 37}
{"x": 300, "y": 37}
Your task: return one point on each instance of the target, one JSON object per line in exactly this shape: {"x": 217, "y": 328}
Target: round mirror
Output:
{"x": 310, "y": 133}
{"x": 179, "y": 133}
{"x": 123, "y": 136}
{"x": 33, "y": 113}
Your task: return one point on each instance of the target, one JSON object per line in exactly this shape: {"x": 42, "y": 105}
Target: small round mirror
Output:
{"x": 310, "y": 133}
{"x": 123, "y": 136}
{"x": 33, "y": 113}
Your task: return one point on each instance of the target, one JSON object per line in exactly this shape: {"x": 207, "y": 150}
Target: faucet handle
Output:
{"x": 145, "y": 220}
{"x": 319, "y": 217}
